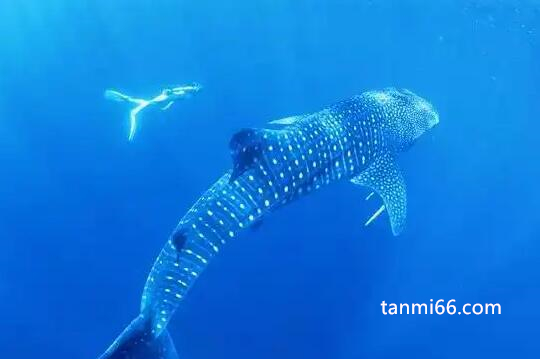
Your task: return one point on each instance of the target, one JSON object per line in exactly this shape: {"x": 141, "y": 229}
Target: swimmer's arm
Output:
{"x": 167, "y": 106}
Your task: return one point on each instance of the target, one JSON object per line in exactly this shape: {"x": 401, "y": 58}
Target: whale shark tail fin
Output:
{"x": 137, "y": 341}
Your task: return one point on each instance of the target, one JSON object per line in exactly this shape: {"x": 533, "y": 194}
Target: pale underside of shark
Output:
{"x": 356, "y": 140}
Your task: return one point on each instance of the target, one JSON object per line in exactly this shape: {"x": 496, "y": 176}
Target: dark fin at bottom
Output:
{"x": 138, "y": 341}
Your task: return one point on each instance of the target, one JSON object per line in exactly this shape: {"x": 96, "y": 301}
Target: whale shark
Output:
{"x": 354, "y": 140}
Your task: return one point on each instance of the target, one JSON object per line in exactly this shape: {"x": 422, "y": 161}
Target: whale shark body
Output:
{"x": 355, "y": 140}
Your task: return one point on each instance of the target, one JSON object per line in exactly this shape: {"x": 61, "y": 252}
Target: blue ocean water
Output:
{"x": 84, "y": 212}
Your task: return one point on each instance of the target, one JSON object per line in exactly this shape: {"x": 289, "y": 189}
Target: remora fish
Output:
{"x": 356, "y": 140}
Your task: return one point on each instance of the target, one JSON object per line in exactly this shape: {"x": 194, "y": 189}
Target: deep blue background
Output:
{"x": 83, "y": 213}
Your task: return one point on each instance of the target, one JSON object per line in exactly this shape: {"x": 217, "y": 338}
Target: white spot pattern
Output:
{"x": 316, "y": 150}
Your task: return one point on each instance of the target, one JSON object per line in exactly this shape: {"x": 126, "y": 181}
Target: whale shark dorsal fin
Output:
{"x": 246, "y": 146}
{"x": 287, "y": 120}
{"x": 384, "y": 178}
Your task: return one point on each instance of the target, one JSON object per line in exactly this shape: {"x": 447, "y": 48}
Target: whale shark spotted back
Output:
{"x": 356, "y": 140}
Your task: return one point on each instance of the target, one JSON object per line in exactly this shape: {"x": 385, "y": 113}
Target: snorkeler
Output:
{"x": 168, "y": 96}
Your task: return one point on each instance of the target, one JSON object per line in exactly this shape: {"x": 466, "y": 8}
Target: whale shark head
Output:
{"x": 405, "y": 115}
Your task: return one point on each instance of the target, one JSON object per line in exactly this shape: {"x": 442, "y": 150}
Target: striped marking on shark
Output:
{"x": 355, "y": 140}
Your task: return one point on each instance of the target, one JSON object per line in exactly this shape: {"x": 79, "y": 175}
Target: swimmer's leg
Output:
{"x": 133, "y": 118}
{"x": 114, "y": 95}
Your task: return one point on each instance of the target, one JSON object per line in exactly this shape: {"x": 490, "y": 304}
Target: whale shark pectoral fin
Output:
{"x": 384, "y": 178}
{"x": 287, "y": 120}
